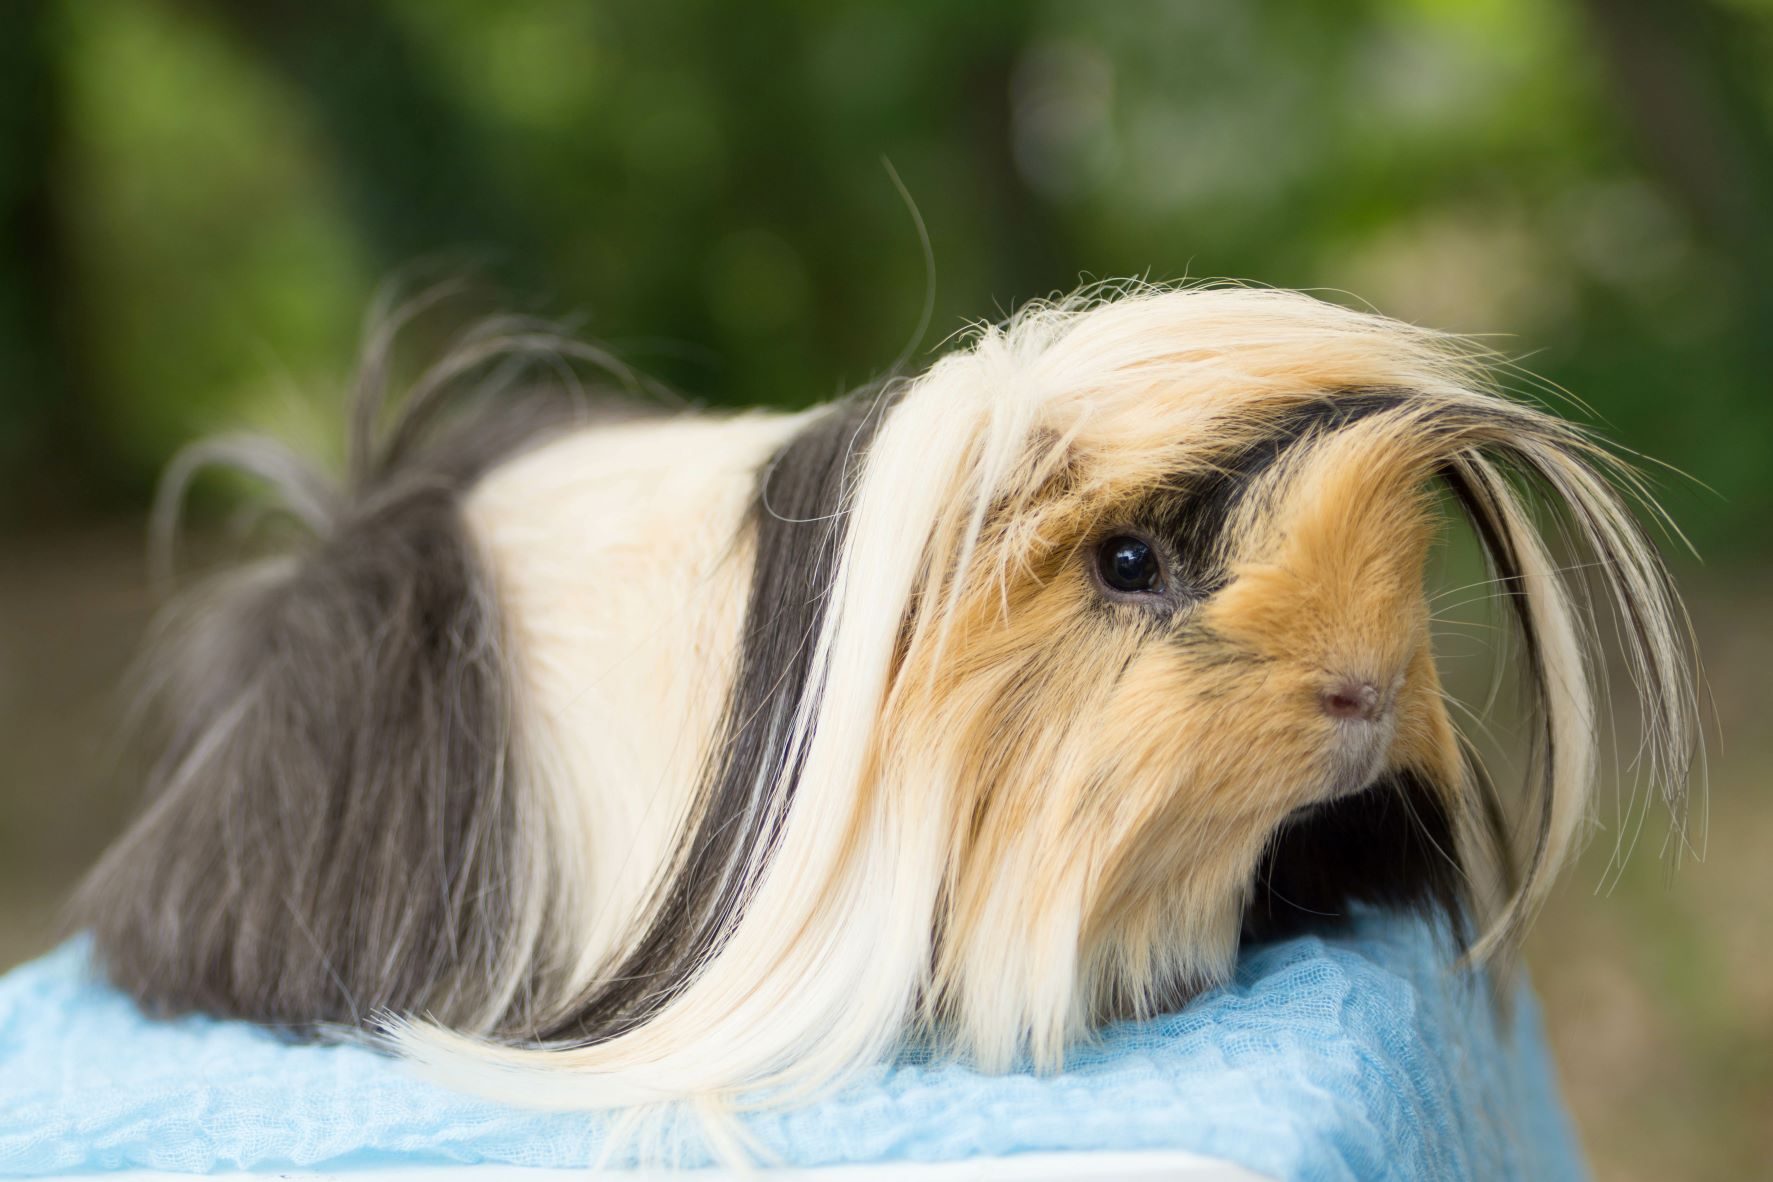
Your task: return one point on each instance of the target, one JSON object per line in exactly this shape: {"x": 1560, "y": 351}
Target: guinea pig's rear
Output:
{"x": 700, "y": 756}
{"x": 336, "y": 826}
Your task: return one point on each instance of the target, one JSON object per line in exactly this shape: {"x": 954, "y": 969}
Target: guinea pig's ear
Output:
{"x": 1540, "y": 461}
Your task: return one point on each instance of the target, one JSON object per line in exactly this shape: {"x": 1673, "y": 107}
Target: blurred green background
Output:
{"x": 199, "y": 197}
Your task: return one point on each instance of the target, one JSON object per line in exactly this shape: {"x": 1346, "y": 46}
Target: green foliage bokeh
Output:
{"x": 202, "y": 195}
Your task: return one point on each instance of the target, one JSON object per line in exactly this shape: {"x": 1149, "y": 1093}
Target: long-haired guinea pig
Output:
{"x": 595, "y": 762}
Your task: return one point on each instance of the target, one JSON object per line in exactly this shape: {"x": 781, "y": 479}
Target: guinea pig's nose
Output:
{"x": 1352, "y": 698}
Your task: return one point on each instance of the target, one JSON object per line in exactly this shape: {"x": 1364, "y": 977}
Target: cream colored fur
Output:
{"x": 622, "y": 581}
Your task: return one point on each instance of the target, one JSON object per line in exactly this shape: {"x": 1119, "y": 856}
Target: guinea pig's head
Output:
{"x": 1162, "y": 676}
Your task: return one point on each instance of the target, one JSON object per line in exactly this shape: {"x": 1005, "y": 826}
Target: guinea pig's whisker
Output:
{"x": 1503, "y": 581}
{"x": 1477, "y": 720}
{"x": 1456, "y": 622}
{"x": 1428, "y": 835}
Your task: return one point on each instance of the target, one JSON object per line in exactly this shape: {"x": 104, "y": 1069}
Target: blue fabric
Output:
{"x": 1351, "y": 1057}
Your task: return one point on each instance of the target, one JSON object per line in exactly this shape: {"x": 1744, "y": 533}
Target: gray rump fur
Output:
{"x": 335, "y": 826}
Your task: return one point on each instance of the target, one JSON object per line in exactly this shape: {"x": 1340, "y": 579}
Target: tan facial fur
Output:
{"x": 1123, "y": 768}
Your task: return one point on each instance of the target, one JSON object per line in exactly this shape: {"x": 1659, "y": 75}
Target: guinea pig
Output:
{"x": 596, "y": 761}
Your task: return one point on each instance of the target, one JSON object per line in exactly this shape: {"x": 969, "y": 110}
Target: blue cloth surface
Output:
{"x": 1357, "y": 1056}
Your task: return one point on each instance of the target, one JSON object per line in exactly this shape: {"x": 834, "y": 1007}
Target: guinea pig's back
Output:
{"x": 621, "y": 563}
{"x": 432, "y": 761}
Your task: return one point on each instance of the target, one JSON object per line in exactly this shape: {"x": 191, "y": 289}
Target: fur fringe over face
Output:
{"x": 713, "y": 758}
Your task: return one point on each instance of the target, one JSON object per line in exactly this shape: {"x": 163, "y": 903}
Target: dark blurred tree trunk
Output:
{"x": 1030, "y": 240}
{"x": 47, "y": 448}
{"x": 411, "y": 157}
{"x": 1687, "y": 75}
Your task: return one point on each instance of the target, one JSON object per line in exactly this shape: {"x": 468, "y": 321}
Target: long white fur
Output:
{"x": 617, "y": 682}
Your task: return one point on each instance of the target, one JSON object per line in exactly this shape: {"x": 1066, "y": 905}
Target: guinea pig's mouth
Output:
{"x": 1358, "y": 756}
{"x": 1388, "y": 841}
{"x": 1353, "y": 774}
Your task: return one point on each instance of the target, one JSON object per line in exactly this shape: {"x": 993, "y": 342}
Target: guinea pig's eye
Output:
{"x": 1130, "y": 564}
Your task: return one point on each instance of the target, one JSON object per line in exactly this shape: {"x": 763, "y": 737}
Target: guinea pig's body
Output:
{"x": 693, "y": 756}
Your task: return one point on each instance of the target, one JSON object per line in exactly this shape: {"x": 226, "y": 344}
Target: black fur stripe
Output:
{"x": 1391, "y": 845}
{"x": 1479, "y": 502}
{"x": 797, "y": 523}
{"x": 1195, "y": 514}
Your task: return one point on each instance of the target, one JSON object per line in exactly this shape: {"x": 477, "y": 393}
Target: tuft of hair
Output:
{"x": 336, "y": 823}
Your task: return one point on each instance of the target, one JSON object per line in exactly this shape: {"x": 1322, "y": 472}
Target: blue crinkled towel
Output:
{"x": 1357, "y": 1056}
